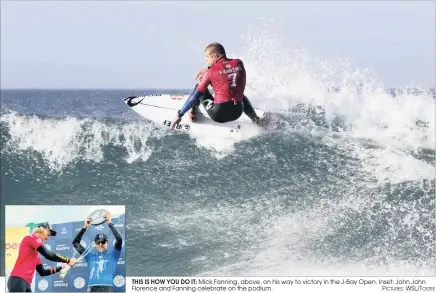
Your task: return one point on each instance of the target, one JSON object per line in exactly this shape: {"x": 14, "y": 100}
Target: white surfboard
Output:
{"x": 162, "y": 109}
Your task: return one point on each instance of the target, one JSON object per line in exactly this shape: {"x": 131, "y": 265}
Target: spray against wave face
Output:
{"x": 281, "y": 75}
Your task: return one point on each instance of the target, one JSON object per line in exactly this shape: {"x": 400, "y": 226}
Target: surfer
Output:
{"x": 103, "y": 263}
{"x": 28, "y": 259}
{"x": 228, "y": 79}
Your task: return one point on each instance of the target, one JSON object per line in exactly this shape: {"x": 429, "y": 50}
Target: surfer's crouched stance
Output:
{"x": 102, "y": 264}
{"x": 228, "y": 79}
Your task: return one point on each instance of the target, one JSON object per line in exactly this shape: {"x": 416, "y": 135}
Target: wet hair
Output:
{"x": 216, "y": 48}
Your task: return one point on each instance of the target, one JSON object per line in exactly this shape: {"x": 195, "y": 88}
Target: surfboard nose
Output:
{"x": 133, "y": 100}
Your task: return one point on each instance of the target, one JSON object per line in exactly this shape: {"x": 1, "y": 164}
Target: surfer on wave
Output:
{"x": 228, "y": 79}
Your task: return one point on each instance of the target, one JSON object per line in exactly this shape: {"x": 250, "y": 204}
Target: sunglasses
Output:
{"x": 100, "y": 242}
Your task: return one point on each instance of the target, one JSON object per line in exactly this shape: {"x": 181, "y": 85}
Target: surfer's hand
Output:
{"x": 65, "y": 266}
{"x": 87, "y": 223}
{"x": 72, "y": 262}
{"x": 200, "y": 73}
{"x": 175, "y": 121}
{"x": 108, "y": 217}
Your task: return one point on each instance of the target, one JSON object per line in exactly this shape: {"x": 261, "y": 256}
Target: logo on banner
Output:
{"x": 119, "y": 281}
{"x": 81, "y": 263}
{"x": 64, "y": 230}
{"x": 12, "y": 245}
{"x": 79, "y": 282}
{"x": 62, "y": 247}
{"x": 43, "y": 285}
{"x": 60, "y": 284}
{"x": 121, "y": 262}
{"x": 13, "y": 236}
{"x": 99, "y": 227}
{"x": 176, "y": 97}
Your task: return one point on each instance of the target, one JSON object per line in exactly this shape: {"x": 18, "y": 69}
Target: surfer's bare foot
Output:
{"x": 191, "y": 115}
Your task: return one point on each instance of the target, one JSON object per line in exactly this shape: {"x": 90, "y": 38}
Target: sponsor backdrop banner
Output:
{"x": 76, "y": 279}
{"x": 12, "y": 245}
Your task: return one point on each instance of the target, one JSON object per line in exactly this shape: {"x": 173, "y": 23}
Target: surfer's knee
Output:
{"x": 208, "y": 104}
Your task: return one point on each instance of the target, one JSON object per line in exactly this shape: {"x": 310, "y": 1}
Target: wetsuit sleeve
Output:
{"x": 52, "y": 256}
{"x": 196, "y": 95}
{"x": 46, "y": 272}
{"x": 205, "y": 82}
{"x": 118, "y": 239}
{"x": 190, "y": 102}
{"x": 116, "y": 255}
{"x": 76, "y": 242}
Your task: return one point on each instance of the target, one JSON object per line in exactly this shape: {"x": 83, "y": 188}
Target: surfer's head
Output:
{"x": 213, "y": 53}
{"x": 44, "y": 231}
{"x": 101, "y": 242}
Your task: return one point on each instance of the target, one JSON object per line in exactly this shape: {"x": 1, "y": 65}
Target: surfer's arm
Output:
{"x": 201, "y": 73}
{"x": 52, "y": 256}
{"x": 118, "y": 239}
{"x": 76, "y": 242}
{"x": 46, "y": 272}
{"x": 204, "y": 82}
{"x": 196, "y": 95}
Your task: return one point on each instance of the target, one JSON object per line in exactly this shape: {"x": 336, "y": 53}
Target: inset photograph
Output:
{"x": 65, "y": 248}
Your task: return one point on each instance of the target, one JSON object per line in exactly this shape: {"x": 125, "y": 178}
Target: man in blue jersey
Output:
{"x": 102, "y": 263}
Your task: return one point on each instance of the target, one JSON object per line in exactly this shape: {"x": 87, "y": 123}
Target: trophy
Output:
{"x": 98, "y": 217}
